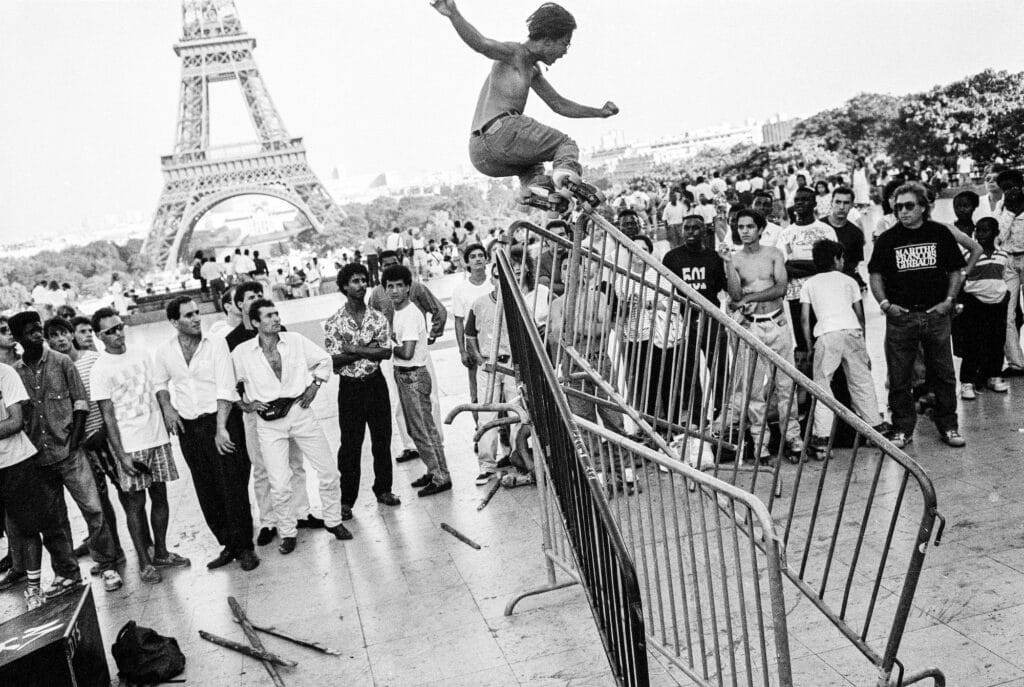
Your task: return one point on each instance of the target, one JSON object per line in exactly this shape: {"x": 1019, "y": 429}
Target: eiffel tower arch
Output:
{"x": 197, "y": 176}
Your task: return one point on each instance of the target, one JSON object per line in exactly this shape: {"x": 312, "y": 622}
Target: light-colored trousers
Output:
{"x": 489, "y": 445}
{"x": 845, "y": 347}
{"x": 397, "y": 416}
{"x": 301, "y": 426}
{"x": 261, "y": 483}
{"x": 1011, "y": 349}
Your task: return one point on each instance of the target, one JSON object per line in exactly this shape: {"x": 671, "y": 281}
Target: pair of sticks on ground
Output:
{"x": 270, "y": 660}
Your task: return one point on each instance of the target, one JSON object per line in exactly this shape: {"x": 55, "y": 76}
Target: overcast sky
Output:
{"x": 91, "y": 88}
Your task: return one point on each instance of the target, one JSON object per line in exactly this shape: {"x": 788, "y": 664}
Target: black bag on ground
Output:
{"x": 145, "y": 657}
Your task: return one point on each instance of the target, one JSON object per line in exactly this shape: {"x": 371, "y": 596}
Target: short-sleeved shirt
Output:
{"x": 673, "y": 214}
{"x": 480, "y": 325}
{"x": 17, "y": 447}
{"x": 702, "y": 269}
{"x": 341, "y": 328}
{"x": 915, "y": 264}
{"x": 410, "y": 325}
{"x": 55, "y": 391}
{"x": 86, "y": 359}
{"x": 831, "y": 295}
{"x": 466, "y": 293}
{"x": 126, "y": 380}
{"x": 851, "y": 238}
{"x": 796, "y": 243}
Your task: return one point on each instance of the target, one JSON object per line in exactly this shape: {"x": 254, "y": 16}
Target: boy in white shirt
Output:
{"x": 838, "y": 340}
{"x": 412, "y": 378}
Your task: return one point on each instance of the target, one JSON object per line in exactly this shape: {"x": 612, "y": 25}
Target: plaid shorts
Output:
{"x": 160, "y": 460}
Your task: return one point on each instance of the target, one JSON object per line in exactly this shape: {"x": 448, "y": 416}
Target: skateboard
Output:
{"x": 558, "y": 195}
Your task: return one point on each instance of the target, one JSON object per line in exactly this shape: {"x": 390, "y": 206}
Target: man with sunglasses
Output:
{"x": 1011, "y": 240}
{"x": 916, "y": 274}
{"x": 122, "y": 384}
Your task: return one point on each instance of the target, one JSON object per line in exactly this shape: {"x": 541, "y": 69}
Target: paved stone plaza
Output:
{"x": 408, "y": 604}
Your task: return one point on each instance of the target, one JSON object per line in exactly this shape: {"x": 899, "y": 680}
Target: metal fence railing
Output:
{"x": 656, "y": 376}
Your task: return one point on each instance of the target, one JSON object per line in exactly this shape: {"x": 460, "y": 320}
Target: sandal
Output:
{"x": 61, "y": 585}
{"x": 171, "y": 560}
{"x": 150, "y": 575}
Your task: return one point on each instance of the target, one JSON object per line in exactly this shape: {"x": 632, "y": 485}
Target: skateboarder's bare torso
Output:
{"x": 506, "y": 88}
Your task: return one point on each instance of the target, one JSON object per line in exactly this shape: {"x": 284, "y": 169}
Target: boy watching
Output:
{"x": 838, "y": 339}
{"x": 985, "y": 298}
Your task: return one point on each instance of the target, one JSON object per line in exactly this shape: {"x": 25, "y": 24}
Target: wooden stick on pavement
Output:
{"x": 490, "y": 494}
{"x": 309, "y": 644}
{"x": 459, "y": 535}
{"x": 259, "y": 654}
{"x": 254, "y": 639}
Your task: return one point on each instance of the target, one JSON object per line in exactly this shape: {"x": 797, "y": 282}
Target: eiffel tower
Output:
{"x": 197, "y": 176}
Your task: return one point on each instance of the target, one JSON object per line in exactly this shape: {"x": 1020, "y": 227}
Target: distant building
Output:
{"x": 778, "y": 132}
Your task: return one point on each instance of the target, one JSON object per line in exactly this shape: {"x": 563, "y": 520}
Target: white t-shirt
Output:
{"x": 466, "y": 293}
{"x": 409, "y": 324}
{"x": 796, "y": 243}
{"x": 673, "y": 214}
{"x": 756, "y": 183}
{"x": 127, "y": 381}
{"x": 742, "y": 186}
{"x": 832, "y": 295}
{"x": 393, "y": 241}
{"x": 17, "y": 447}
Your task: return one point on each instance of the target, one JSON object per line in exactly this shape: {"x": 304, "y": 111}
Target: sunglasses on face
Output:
{"x": 905, "y": 206}
{"x": 116, "y": 329}
{"x": 5, "y": 330}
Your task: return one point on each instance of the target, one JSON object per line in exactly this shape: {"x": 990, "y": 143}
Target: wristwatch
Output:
{"x": 318, "y": 381}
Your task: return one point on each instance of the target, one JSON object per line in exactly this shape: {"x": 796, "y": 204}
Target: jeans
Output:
{"x": 520, "y": 147}
{"x": 301, "y": 426}
{"x": 414, "y": 389}
{"x": 364, "y": 403}
{"x": 221, "y": 481}
{"x": 983, "y": 338}
{"x": 904, "y": 334}
{"x": 373, "y": 267}
{"x": 845, "y": 347}
{"x": 31, "y": 511}
{"x": 75, "y": 473}
{"x": 387, "y": 367}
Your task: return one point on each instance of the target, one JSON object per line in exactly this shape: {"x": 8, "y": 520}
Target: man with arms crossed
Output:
{"x": 757, "y": 286}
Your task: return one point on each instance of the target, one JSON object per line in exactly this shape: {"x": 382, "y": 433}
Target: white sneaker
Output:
{"x": 967, "y": 392}
{"x": 34, "y": 598}
{"x": 998, "y": 384}
{"x": 112, "y": 581}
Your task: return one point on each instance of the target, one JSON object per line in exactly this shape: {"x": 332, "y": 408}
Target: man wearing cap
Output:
{"x": 55, "y": 417}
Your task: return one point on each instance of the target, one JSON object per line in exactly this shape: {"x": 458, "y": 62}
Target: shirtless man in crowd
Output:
{"x": 504, "y": 142}
{"x": 757, "y": 287}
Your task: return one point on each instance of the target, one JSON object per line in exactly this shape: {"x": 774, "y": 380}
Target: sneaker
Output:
{"x": 171, "y": 560}
{"x": 967, "y": 392}
{"x": 434, "y": 488}
{"x": 483, "y": 478}
{"x": 900, "y": 439}
{"x": 34, "y": 598}
{"x": 795, "y": 446}
{"x": 150, "y": 575}
{"x": 952, "y": 437}
{"x": 998, "y": 384}
{"x": 310, "y": 522}
{"x": 818, "y": 448}
{"x": 82, "y": 549}
{"x": 112, "y": 581}
{"x": 422, "y": 481}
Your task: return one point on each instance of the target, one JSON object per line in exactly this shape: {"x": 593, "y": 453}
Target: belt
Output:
{"x": 504, "y": 358}
{"x": 485, "y": 129}
{"x": 408, "y": 368}
{"x": 1015, "y": 253}
{"x": 918, "y": 308}
{"x": 777, "y": 315}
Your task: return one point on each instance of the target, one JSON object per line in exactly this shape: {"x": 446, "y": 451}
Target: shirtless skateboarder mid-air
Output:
{"x": 504, "y": 142}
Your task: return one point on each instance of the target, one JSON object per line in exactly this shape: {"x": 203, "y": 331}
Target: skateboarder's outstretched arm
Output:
{"x": 488, "y": 47}
{"x": 562, "y": 105}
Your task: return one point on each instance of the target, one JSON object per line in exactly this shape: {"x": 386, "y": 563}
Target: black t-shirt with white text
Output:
{"x": 703, "y": 270}
{"x": 915, "y": 263}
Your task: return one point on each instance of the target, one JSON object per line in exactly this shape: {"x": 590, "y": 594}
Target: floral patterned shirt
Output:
{"x": 341, "y": 328}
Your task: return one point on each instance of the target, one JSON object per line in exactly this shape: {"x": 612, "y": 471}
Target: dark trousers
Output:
{"x": 659, "y": 393}
{"x": 983, "y": 331}
{"x": 710, "y": 342}
{"x": 373, "y": 267}
{"x": 221, "y": 481}
{"x": 904, "y": 335}
{"x": 364, "y": 403}
{"x": 32, "y": 510}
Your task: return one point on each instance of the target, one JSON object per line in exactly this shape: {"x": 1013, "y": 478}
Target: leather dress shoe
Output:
{"x": 388, "y": 499}
{"x": 248, "y": 560}
{"x": 266, "y": 536}
{"x": 434, "y": 488}
{"x": 225, "y": 557}
{"x": 310, "y": 523}
{"x": 287, "y": 545}
{"x": 339, "y": 531}
{"x": 407, "y": 455}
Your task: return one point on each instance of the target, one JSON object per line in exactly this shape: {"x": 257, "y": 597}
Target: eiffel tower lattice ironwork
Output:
{"x": 214, "y": 48}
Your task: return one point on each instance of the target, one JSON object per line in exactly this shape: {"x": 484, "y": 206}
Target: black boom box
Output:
{"x": 58, "y": 644}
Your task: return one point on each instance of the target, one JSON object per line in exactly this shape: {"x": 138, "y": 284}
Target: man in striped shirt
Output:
{"x": 985, "y": 298}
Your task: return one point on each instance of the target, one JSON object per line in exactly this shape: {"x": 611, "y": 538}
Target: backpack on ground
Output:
{"x": 145, "y": 657}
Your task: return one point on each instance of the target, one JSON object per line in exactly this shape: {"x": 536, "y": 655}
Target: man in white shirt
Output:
{"x": 122, "y": 384}
{"x": 410, "y": 355}
{"x": 243, "y": 264}
{"x": 475, "y": 285}
{"x": 672, "y": 215}
{"x": 282, "y": 372}
{"x": 195, "y": 387}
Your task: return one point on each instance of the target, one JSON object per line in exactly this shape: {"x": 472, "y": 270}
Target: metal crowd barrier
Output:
{"x": 632, "y": 340}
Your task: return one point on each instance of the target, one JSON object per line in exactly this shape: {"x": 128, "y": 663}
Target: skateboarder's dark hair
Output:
{"x": 550, "y": 21}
